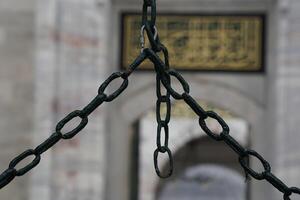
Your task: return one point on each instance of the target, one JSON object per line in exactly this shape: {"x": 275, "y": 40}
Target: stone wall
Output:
{"x": 71, "y": 64}
{"x": 77, "y": 47}
{"x": 286, "y": 92}
{"x": 16, "y": 86}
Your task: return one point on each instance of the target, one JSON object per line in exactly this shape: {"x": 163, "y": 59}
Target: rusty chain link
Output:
{"x": 163, "y": 76}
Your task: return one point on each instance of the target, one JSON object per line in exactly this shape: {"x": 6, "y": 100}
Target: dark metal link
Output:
{"x": 161, "y": 148}
{"x": 135, "y": 64}
{"x": 256, "y": 175}
{"x": 166, "y": 100}
{"x": 167, "y": 76}
{"x": 154, "y": 58}
{"x": 155, "y": 155}
{"x": 47, "y": 144}
{"x": 291, "y": 191}
{"x": 166, "y": 55}
{"x": 159, "y": 68}
{"x": 118, "y": 91}
{"x": 158, "y": 87}
{"x": 233, "y": 144}
{"x": 194, "y": 105}
{"x": 21, "y": 157}
{"x": 277, "y": 183}
{"x": 95, "y": 103}
{"x": 152, "y": 37}
{"x": 213, "y": 115}
{"x": 7, "y": 176}
{"x": 152, "y": 5}
{"x": 184, "y": 84}
{"x": 68, "y": 118}
{"x": 149, "y": 25}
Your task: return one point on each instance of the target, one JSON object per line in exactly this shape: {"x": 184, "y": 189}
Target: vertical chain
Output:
{"x": 162, "y": 138}
{"x": 162, "y": 123}
{"x": 149, "y": 25}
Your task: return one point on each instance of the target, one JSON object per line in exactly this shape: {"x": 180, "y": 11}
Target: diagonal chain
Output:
{"x": 163, "y": 77}
{"x": 163, "y": 123}
{"x": 164, "y": 74}
{"x": 8, "y": 175}
{"x": 243, "y": 153}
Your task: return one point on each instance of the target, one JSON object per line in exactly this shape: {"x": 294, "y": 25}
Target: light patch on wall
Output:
{"x": 2, "y": 36}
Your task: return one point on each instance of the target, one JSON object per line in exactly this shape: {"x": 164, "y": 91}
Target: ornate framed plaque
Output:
{"x": 201, "y": 42}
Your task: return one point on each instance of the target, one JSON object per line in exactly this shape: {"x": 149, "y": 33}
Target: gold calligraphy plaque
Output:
{"x": 211, "y": 43}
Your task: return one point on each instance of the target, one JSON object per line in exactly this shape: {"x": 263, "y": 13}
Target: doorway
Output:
{"x": 194, "y": 154}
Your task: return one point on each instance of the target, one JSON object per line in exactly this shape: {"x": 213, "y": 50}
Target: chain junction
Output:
{"x": 163, "y": 78}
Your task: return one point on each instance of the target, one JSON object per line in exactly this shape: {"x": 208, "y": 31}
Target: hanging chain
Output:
{"x": 163, "y": 76}
{"x": 163, "y": 123}
{"x": 8, "y": 175}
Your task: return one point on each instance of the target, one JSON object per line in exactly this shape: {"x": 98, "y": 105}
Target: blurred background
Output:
{"x": 240, "y": 57}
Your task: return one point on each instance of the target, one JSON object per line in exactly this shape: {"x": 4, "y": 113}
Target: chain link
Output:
{"x": 152, "y": 5}
{"x": 163, "y": 76}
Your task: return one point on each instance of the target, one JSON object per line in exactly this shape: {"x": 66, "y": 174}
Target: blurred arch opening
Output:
{"x": 196, "y": 158}
{"x": 206, "y": 182}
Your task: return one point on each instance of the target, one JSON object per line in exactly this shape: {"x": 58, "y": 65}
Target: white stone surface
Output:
{"x": 71, "y": 62}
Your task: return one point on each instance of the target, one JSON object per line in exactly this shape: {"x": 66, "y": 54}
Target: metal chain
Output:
{"x": 163, "y": 75}
{"x": 163, "y": 123}
{"x": 8, "y": 175}
{"x": 243, "y": 153}
{"x": 152, "y": 33}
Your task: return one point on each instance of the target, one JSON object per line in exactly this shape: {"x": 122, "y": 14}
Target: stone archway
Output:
{"x": 143, "y": 98}
{"x": 189, "y": 144}
{"x": 201, "y": 160}
{"x": 206, "y": 182}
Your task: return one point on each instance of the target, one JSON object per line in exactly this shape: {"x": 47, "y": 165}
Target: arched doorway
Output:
{"x": 204, "y": 169}
{"x": 190, "y": 146}
{"x": 135, "y": 104}
{"x": 205, "y": 182}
